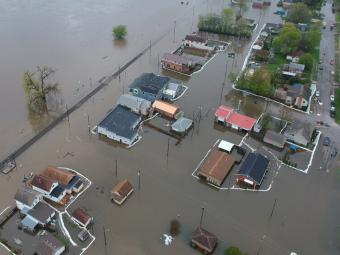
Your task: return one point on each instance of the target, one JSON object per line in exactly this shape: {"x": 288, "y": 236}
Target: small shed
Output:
{"x": 121, "y": 192}
{"x": 165, "y": 109}
{"x": 182, "y": 125}
{"x": 274, "y": 138}
{"x": 172, "y": 90}
{"x": 136, "y": 104}
{"x": 204, "y": 240}
{"x": 226, "y": 146}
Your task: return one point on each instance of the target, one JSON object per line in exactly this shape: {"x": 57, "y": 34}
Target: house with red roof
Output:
{"x": 230, "y": 118}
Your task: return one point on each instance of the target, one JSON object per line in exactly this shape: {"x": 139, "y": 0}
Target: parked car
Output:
{"x": 332, "y": 103}
{"x": 327, "y": 141}
{"x": 332, "y": 109}
{"x": 231, "y": 54}
{"x": 317, "y": 93}
{"x": 332, "y": 97}
{"x": 321, "y": 67}
{"x": 332, "y": 62}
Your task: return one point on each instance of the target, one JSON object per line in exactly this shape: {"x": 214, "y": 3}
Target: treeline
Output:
{"x": 225, "y": 23}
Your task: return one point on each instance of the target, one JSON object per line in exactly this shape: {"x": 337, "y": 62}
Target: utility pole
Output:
{"x": 105, "y": 242}
{"x": 274, "y": 206}
{"x": 174, "y": 29}
{"x": 201, "y": 216}
{"x": 88, "y": 124}
{"x": 68, "y": 118}
{"x": 116, "y": 168}
{"x": 167, "y": 153}
{"x": 139, "y": 174}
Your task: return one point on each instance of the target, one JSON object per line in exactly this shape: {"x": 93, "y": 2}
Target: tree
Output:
{"x": 228, "y": 18}
{"x": 307, "y": 60}
{"x": 288, "y": 40}
{"x": 232, "y": 77}
{"x": 119, "y": 32}
{"x": 311, "y": 39}
{"x": 233, "y": 251}
{"x": 299, "y": 13}
{"x": 242, "y": 28}
{"x": 261, "y": 82}
{"x": 242, "y": 5}
{"x": 37, "y": 87}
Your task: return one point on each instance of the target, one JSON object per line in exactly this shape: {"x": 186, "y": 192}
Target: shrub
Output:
{"x": 119, "y": 32}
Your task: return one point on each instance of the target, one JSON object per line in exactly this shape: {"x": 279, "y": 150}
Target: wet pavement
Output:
{"x": 298, "y": 213}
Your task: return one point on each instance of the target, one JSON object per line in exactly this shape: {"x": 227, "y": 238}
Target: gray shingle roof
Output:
{"x": 26, "y": 196}
{"x": 150, "y": 83}
{"x": 121, "y": 121}
{"x": 41, "y": 212}
{"x": 48, "y": 245}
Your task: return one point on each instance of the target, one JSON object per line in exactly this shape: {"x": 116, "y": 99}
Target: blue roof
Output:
{"x": 121, "y": 121}
{"x": 72, "y": 183}
{"x": 57, "y": 191}
{"x": 254, "y": 167}
{"x": 29, "y": 223}
{"x": 150, "y": 83}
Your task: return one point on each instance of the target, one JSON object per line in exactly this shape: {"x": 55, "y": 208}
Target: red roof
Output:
{"x": 223, "y": 111}
{"x": 241, "y": 121}
{"x": 234, "y": 118}
{"x": 81, "y": 216}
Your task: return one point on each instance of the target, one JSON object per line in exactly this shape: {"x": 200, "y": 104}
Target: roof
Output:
{"x": 274, "y": 138}
{"x": 223, "y": 111}
{"x": 181, "y": 125}
{"x": 60, "y": 175}
{"x": 300, "y": 126}
{"x": 29, "y": 222}
{"x": 48, "y": 245}
{"x": 176, "y": 59}
{"x": 26, "y": 196}
{"x": 298, "y": 89}
{"x": 254, "y": 167}
{"x": 204, "y": 238}
{"x": 195, "y": 38}
{"x": 173, "y": 86}
{"x": 226, "y": 146}
{"x": 134, "y": 102}
{"x": 242, "y": 121}
{"x": 217, "y": 165}
{"x": 57, "y": 191}
{"x": 150, "y": 83}
{"x": 165, "y": 107}
{"x": 121, "y": 121}
{"x": 123, "y": 188}
{"x": 41, "y": 212}
{"x": 42, "y": 182}
{"x": 299, "y": 67}
{"x": 81, "y": 216}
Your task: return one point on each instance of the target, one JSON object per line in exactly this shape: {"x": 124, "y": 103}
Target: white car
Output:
{"x": 332, "y": 97}
{"x": 317, "y": 93}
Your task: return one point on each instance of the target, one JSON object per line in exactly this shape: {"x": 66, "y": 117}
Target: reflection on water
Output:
{"x": 120, "y": 43}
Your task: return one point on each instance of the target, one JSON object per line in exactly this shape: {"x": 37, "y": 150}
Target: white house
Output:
{"x": 26, "y": 199}
{"x": 299, "y": 132}
{"x": 197, "y": 42}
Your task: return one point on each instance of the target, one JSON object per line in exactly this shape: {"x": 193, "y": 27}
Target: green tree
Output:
{"x": 288, "y": 40}
{"x": 233, "y": 251}
{"x": 261, "y": 82}
{"x": 228, "y": 18}
{"x": 311, "y": 39}
{"x": 243, "y": 6}
{"x": 242, "y": 28}
{"x": 307, "y": 60}
{"x": 299, "y": 13}
{"x": 119, "y": 32}
{"x": 37, "y": 87}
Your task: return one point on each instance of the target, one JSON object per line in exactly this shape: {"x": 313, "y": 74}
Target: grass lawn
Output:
{"x": 278, "y": 62}
{"x": 337, "y": 105}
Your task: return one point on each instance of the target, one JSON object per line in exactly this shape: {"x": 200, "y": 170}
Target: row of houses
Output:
{"x": 146, "y": 95}
{"x": 221, "y": 159}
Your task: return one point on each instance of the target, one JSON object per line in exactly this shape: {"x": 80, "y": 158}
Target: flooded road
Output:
{"x": 304, "y": 218}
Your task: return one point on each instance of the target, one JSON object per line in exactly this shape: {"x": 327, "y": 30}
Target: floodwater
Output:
{"x": 75, "y": 39}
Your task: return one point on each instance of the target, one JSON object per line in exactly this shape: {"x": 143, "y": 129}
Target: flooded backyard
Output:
{"x": 296, "y": 215}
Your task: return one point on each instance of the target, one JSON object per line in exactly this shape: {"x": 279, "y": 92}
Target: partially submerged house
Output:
{"x": 228, "y": 117}
{"x": 276, "y": 139}
{"x": 204, "y": 240}
{"x": 216, "y": 167}
{"x": 40, "y": 215}
{"x": 253, "y": 170}
{"x": 149, "y": 86}
{"x": 166, "y": 109}
{"x": 49, "y": 245}
{"x": 172, "y": 91}
{"x": 177, "y": 63}
{"x": 299, "y": 132}
{"x": 293, "y": 69}
{"x": 82, "y": 217}
{"x": 136, "y": 104}
{"x": 297, "y": 95}
{"x": 121, "y": 125}
{"x": 43, "y": 184}
{"x": 121, "y": 192}
{"x": 26, "y": 199}
{"x": 197, "y": 42}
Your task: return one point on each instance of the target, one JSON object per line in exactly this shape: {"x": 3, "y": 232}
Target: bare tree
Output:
{"x": 38, "y": 87}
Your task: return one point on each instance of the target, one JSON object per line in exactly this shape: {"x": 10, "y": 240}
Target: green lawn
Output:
{"x": 337, "y": 105}
{"x": 278, "y": 62}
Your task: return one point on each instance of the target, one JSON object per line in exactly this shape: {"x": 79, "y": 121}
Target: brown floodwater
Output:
{"x": 75, "y": 39}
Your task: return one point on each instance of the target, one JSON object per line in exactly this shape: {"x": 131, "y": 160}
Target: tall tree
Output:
{"x": 299, "y": 13}
{"x": 38, "y": 87}
{"x": 261, "y": 82}
{"x": 288, "y": 40}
